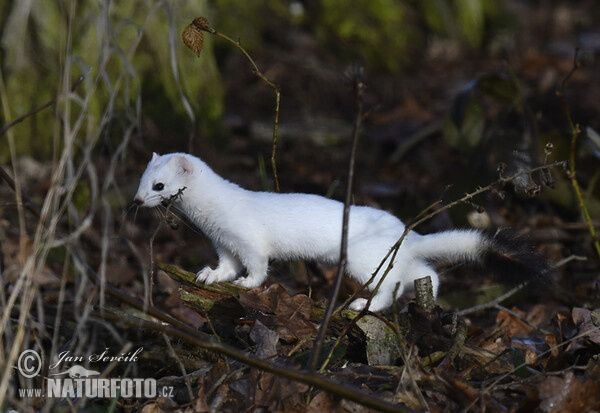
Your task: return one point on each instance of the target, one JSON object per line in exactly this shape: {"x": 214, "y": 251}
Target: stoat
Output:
{"x": 250, "y": 228}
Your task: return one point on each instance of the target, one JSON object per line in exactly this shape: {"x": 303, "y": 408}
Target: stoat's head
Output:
{"x": 165, "y": 178}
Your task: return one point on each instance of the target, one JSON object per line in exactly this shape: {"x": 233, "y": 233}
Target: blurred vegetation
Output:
{"x": 464, "y": 20}
{"x": 171, "y": 85}
{"x": 176, "y": 91}
{"x": 377, "y": 32}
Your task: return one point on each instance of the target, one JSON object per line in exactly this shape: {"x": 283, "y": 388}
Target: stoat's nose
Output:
{"x": 139, "y": 201}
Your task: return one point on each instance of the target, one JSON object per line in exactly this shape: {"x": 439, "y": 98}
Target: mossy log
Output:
{"x": 203, "y": 297}
{"x": 222, "y": 288}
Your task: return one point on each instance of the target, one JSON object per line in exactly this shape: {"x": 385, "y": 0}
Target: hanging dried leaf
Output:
{"x": 193, "y": 38}
{"x": 202, "y": 24}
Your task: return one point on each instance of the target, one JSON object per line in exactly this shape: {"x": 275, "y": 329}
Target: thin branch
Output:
{"x": 358, "y": 87}
{"x": 184, "y": 373}
{"x": 496, "y": 301}
{"x": 28, "y": 202}
{"x": 40, "y": 108}
{"x": 493, "y": 303}
{"x": 149, "y": 296}
{"x": 572, "y": 170}
{"x": 193, "y": 39}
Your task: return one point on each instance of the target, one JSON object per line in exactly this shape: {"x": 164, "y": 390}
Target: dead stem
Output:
{"x": 193, "y": 39}
{"x": 572, "y": 170}
{"x": 358, "y": 87}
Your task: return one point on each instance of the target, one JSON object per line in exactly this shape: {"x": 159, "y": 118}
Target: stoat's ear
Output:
{"x": 184, "y": 165}
{"x": 154, "y": 156}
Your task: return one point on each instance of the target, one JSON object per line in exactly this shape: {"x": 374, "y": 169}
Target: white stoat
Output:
{"x": 250, "y": 228}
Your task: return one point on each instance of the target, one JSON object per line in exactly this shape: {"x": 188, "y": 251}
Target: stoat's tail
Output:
{"x": 504, "y": 253}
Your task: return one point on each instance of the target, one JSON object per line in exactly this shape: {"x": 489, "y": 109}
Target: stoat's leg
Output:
{"x": 227, "y": 270}
{"x": 385, "y": 295}
{"x": 382, "y": 300}
{"x": 257, "y": 267}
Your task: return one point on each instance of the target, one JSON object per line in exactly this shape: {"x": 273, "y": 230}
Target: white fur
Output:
{"x": 249, "y": 228}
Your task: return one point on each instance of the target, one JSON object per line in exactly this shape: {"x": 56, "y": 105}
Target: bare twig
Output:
{"x": 188, "y": 385}
{"x": 496, "y": 301}
{"x": 192, "y": 37}
{"x": 28, "y": 202}
{"x": 40, "y": 108}
{"x": 492, "y": 303}
{"x": 358, "y": 87}
{"x": 572, "y": 170}
{"x": 148, "y": 296}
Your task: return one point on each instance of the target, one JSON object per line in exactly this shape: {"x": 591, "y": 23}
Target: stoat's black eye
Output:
{"x": 158, "y": 186}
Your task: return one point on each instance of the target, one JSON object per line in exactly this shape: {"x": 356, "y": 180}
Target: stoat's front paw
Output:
{"x": 358, "y": 304}
{"x": 203, "y": 274}
{"x": 210, "y": 276}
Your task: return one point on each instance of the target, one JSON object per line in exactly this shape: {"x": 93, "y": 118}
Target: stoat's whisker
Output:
{"x": 125, "y": 213}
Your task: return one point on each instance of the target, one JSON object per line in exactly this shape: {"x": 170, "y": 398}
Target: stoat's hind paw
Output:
{"x": 358, "y": 304}
{"x": 246, "y": 282}
{"x": 378, "y": 303}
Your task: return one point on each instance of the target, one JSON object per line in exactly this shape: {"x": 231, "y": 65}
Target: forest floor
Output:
{"x": 439, "y": 132}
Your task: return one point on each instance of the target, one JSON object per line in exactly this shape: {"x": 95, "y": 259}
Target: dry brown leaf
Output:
{"x": 552, "y": 342}
{"x": 582, "y": 318}
{"x": 293, "y": 315}
{"x": 569, "y": 395}
{"x": 202, "y": 24}
{"x": 263, "y": 300}
{"x": 265, "y": 339}
{"x": 276, "y": 308}
{"x": 193, "y": 38}
{"x": 323, "y": 402}
{"x": 278, "y": 394}
{"x": 188, "y": 316}
{"x": 538, "y": 314}
{"x": 15, "y": 253}
{"x": 200, "y": 403}
{"x": 514, "y": 325}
